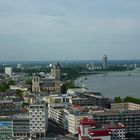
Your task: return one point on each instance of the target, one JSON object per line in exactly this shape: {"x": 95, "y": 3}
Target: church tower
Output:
{"x": 35, "y": 84}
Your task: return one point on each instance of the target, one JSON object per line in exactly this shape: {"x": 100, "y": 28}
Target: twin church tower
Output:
{"x": 48, "y": 85}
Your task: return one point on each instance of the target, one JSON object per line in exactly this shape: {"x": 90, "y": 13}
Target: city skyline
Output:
{"x": 69, "y": 30}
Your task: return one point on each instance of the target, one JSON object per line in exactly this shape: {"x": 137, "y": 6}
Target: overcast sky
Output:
{"x": 69, "y": 29}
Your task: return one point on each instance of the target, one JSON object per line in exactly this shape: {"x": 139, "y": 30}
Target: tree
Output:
{"x": 67, "y": 85}
{"x": 117, "y": 99}
{"x": 28, "y": 82}
{"x": 19, "y": 93}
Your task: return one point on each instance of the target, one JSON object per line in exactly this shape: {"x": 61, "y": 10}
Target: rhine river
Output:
{"x": 114, "y": 84}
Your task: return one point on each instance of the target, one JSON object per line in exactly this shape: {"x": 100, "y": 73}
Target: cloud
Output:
{"x": 62, "y": 27}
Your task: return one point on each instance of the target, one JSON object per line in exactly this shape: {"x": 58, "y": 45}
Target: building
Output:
{"x": 74, "y": 118}
{"x": 109, "y": 131}
{"x": 56, "y": 112}
{"x": 90, "y": 97}
{"x": 130, "y": 119}
{"x": 125, "y": 106}
{"x": 36, "y": 84}
{"x": 80, "y": 101}
{"x": 21, "y": 126}
{"x": 57, "y": 99}
{"x": 8, "y": 71}
{"x": 6, "y": 128}
{"x": 48, "y": 86}
{"x": 38, "y": 116}
{"x": 55, "y": 71}
{"x": 105, "y": 62}
{"x": 117, "y": 130}
{"x": 87, "y": 131}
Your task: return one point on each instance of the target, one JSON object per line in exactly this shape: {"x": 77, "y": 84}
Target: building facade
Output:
{"x": 48, "y": 86}
{"x": 74, "y": 118}
{"x": 21, "y": 126}
{"x": 6, "y": 128}
{"x": 125, "y": 106}
{"x": 38, "y": 116}
{"x": 8, "y": 71}
{"x": 130, "y": 119}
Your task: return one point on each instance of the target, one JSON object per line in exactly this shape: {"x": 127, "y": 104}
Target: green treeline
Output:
{"x": 69, "y": 73}
{"x": 6, "y": 85}
{"x": 126, "y": 99}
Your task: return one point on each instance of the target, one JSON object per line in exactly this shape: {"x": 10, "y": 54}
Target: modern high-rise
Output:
{"x": 104, "y": 62}
{"x": 38, "y": 116}
{"x": 8, "y": 71}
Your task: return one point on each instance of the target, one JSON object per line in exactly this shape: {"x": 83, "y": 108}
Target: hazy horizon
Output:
{"x": 32, "y": 30}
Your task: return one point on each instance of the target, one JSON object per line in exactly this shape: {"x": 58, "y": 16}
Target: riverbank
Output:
{"x": 114, "y": 84}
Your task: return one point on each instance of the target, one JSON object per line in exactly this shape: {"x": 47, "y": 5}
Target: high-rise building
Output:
{"x": 8, "y": 71}
{"x": 38, "y": 115}
{"x": 104, "y": 63}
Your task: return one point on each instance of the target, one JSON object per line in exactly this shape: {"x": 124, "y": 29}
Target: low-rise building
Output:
{"x": 117, "y": 130}
{"x": 93, "y": 98}
{"x": 57, "y": 99}
{"x": 21, "y": 126}
{"x": 6, "y": 128}
{"x": 74, "y": 118}
{"x": 130, "y": 119}
{"x": 87, "y": 131}
{"x": 125, "y": 106}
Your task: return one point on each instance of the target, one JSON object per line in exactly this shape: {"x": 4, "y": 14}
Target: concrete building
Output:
{"x": 81, "y": 101}
{"x": 87, "y": 131}
{"x": 117, "y": 130}
{"x": 57, "y": 99}
{"x": 125, "y": 106}
{"x": 38, "y": 116}
{"x": 110, "y": 131}
{"x": 94, "y": 98}
{"x": 74, "y": 118}
{"x": 105, "y": 62}
{"x": 8, "y": 71}
{"x": 6, "y": 128}
{"x": 130, "y": 119}
{"x": 56, "y": 114}
{"x": 21, "y": 126}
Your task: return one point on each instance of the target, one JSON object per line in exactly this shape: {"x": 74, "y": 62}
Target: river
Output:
{"x": 114, "y": 84}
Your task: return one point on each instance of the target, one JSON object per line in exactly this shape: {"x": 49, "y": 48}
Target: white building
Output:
{"x": 38, "y": 115}
{"x": 74, "y": 118}
{"x": 125, "y": 106}
{"x": 56, "y": 114}
{"x": 8, "y": 71}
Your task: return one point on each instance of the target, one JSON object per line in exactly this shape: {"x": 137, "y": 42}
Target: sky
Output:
{"x": 69, "y": 29}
